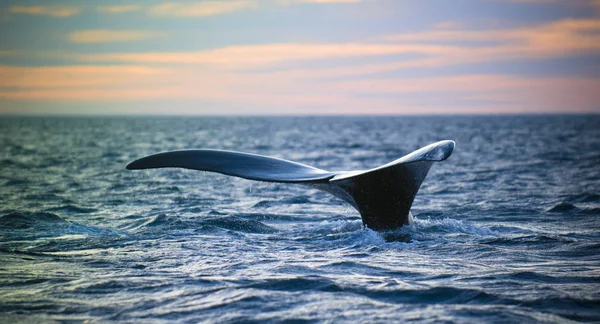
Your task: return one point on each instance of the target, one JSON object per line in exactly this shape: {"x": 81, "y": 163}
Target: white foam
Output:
{"x": 450, "y": 225}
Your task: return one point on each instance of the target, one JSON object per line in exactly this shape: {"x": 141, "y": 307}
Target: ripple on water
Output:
{"x": 506, "y": 230}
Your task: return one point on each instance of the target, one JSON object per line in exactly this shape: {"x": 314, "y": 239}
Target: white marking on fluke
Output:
{"x": 383, "y": 196}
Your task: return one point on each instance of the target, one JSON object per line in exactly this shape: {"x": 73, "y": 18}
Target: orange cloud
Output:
{"x": 78, "y": 76}
{"x": 51, "y": 11}
{"x": 577, "y": 33}
{"x": 264, "y": 55}
{"x": 465, "y": 93}
{"x": 200, "y": 9}
{"x": 232, "y": 76}
{"x": 107, "y": 35}
{"x": 428, "y": 49}
{"x": 564, "y": 38}
{"x": 118, "y": 9}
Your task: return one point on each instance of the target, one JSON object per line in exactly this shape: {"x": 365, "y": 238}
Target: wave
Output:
{"x": 449, "y": 225}
{"x": 297, "y": 284}
{"x": 353, "y": 233}
{"x": 73, "y": 209}
{"x": 237, "y": 224}
{"x": 536, "y": 277}
{"x": 283, "y": 202}
{"x": 23, "y": 220}
{"x": 591, "y": 211}
{"x": 16, "y": 182}
{"x": 563, "y": 207}
{"x": 585, "y": 197}
{"x": 434, "y": 295}
{"x": 32, "y": 225}
{"x": 271, "y": 217}
{"x": 531, "y": 240}
{"x": 441, "y": 295}
{"x": 164, "y": 222}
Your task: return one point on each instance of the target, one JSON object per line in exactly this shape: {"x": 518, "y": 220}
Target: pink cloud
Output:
{"x": 428, "y": 49}
{"x": 111, "y": 35}
{"x": 222, "y": 75}
{"x": 461, "y": 93}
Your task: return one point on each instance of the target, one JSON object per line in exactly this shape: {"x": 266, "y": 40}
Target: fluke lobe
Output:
{"x": 383, "y": 195}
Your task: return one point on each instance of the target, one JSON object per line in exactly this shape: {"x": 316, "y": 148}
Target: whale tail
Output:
{"x": 383, "y": 196}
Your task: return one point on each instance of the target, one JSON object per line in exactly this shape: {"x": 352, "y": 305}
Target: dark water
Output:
{"x": 506, "y": 230}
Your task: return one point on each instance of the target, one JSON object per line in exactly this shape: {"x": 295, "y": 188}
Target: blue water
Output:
{"x": 506, "y": 230}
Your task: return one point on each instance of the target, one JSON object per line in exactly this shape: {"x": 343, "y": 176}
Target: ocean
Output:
{"x": 506, "y": 230}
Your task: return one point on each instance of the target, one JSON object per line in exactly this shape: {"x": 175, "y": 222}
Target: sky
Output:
{"x": 246, "y": 57}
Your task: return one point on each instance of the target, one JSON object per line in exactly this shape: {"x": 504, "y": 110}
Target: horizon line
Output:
{"x": 539, "y": 113}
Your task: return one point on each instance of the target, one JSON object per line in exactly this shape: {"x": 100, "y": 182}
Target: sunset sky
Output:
{"x": 299, "y": 57}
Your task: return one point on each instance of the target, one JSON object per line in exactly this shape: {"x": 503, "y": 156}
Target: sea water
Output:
{"x": 506, "y": 230}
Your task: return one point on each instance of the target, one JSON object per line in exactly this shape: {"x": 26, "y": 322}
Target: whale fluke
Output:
{"x": 238, "y": 164}
{"x": 383, "y": 195}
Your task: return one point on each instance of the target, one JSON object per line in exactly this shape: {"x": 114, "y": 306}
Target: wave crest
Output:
{"x": 24, "y": 220}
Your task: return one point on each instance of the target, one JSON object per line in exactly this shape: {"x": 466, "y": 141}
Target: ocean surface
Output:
{"x": 506, "y": 230}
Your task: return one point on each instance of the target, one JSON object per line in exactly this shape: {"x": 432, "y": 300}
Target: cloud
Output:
{"x": 77, "y": 76}
{"x": 579, "y": 30}
{"x": 563, "y": 38}
{"x": 293, "y": 75}
{"x": 247, "y": 56}
{"x": 424, "y": 50}
{"x": 475, "y": 93}
{"x": 118, "y": 9}
{"x": 107, "y": 35}
{"x": 9, "y": 53}
{"x": 199, "y": 9}
{"x": 51, "y": 11}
